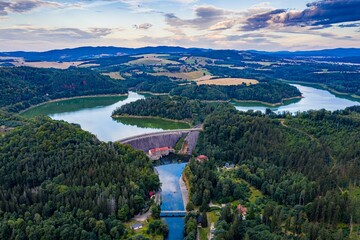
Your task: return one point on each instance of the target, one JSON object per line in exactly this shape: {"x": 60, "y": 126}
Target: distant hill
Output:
{"x": 83, "y": 53}
{"x": 337, "y": 52}
{"x": 86, "y": 53}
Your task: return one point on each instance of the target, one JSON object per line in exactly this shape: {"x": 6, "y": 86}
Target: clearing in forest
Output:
{"x": 228, "y": 81}
{"x": 114, "y": 75}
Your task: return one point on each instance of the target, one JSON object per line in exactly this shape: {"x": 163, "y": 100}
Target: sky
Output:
{"x": 273, "y": 25}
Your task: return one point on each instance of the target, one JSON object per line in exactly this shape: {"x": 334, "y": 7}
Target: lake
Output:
{"x": 94, "y": 115}
{"x": 313, "y": 99}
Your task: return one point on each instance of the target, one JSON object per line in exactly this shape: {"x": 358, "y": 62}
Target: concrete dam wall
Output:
{"x": 150, "y": 141}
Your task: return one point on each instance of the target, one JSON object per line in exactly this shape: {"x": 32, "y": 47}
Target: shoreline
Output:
{"x": 324, "y": 87}
{"x": 184, "y": 192}
{"x": 266, "y": 103}
{"x": 70, "y": 98}
{"x": 150, "y": 117}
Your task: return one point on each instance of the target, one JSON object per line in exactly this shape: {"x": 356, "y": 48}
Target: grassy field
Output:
{"x": 213, "y": 217}
{"x": 114, "y": 75}
{"x": 143, "y": 230}
{"x": 228, "y": 81}
{"x": 182, "y": 75}
{"x": 151, "y": 61}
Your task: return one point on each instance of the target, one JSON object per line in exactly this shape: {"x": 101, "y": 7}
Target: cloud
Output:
{"x": 319, "y": 13}
{"x": 143, "y": 26}
{"x": 56, "y": 34}
{"x": 350, "y": 25}
{"x": 22, "y": 6}
{"x": 206, "y": 16}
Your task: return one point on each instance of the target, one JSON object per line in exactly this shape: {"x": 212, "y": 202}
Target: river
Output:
{"x": 172, "y": 198}
{"x": 94, "y": 115}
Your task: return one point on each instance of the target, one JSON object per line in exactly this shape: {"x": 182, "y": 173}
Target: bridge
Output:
{"x": 168, "y": 138}
{"x": 173, "y": 214}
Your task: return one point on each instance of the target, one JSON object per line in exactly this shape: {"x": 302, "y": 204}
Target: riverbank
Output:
{"x": 152, "y": 117}
{"x": 184, "y": 191}
{"x": 70, "y": 98}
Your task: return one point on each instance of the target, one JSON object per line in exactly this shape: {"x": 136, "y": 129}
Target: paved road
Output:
{"x": 125, "y": 140}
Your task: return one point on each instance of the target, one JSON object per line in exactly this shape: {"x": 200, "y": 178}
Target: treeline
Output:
{"x": 177, "y": 108}
{"x": 307, "y": 164}
{"x": 22, "y": 87}
{"x": 59, "y": 182}
{"x": 270, "y": 92}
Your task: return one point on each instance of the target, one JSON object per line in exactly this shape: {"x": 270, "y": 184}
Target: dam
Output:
{"x": 146, "y": 142}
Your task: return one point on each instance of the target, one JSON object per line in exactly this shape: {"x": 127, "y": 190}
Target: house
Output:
{"x": 157, "y": 153}
{"x": 242, "y": 211}
{"x": 212, "y": 231}
{"x": 136, "y": 226}
{"x": 229, "y": 166}
{"x": 202, "y": 158}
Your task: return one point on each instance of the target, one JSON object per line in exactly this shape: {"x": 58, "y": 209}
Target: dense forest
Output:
{"x": 59, "y": 182}
{"x": 299, "y": 163}
{"x": 176, "y": 108}
{"x": 269, "y": 92}
{"x": 24, "y": 86}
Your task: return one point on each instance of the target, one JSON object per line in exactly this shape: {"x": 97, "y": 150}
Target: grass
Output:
{"x": 114, "y": 75}
{"x": 228, "y": 81}
{"x": 142, "y": 231}
{"x": 151, "y": 61}
{"x": 213, "y": 217}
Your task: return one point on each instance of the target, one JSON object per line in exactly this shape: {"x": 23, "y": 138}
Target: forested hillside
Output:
{"x": 306, "y": 165}
{"x": 177, "y": 108}
{"x": 269, "y": 92}
{"x": 24, "y": 86}
{"x": 59, "y": 182}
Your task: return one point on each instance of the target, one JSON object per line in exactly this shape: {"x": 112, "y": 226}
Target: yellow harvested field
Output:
{"x": 114, "y": 75}
{"x": 181, "y": 75}
{"x": 228, "y": 81}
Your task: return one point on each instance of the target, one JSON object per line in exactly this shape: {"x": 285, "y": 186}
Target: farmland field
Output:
{"x": 228, "y": 81}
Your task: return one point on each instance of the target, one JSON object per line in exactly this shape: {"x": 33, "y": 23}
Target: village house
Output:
{"x": 242, "y": 211}
{"x": 136, "y": 226}
{"x": 202, "y": 158}
{"x": 157, "y": 153}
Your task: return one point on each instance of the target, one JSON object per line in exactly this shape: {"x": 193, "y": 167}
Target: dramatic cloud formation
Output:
{"x": 321, "y": 13}
{"x": 20, "y": 6}
{"x": 291, "y": 25}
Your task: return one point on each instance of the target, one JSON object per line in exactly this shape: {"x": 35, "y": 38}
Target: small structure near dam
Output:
{"x": 160, "y": 144}
{"x": 157, "y": 153}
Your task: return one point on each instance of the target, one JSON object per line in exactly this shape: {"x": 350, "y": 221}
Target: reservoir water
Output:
{"x": 313, "y": 99}
{"x": 94, "y": 115}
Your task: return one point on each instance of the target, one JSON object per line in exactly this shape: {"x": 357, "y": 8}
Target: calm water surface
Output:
{"x": 313, "y": 99}
{"x": 171, "y": 197}
{"x": 94, "y": 115}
